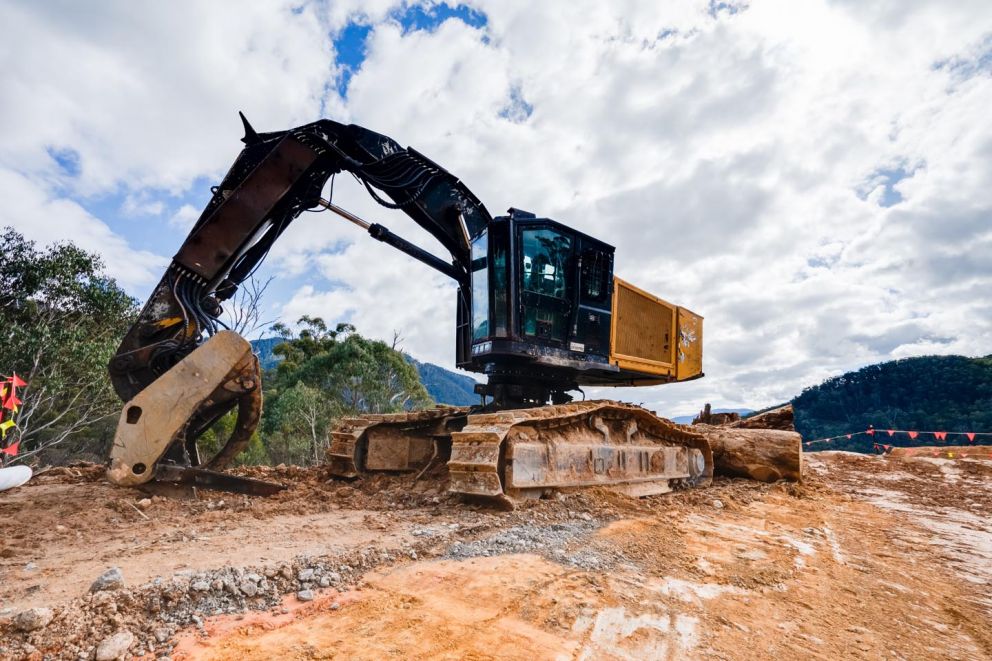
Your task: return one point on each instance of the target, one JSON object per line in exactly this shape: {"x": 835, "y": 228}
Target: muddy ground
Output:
{"x": 872, "y": 557}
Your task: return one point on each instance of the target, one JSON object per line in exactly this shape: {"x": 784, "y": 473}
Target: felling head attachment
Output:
{"x": 157, "y": 432}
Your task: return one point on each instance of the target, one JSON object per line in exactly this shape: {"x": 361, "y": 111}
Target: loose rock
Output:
{"x": 114, "y": 647}
{"x": 112, "y": 579}
{"x": 33, "y": 619}
{"x": 305, "y": 595}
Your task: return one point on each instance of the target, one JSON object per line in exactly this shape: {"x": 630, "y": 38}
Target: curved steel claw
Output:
{"x": 163, "y": 421}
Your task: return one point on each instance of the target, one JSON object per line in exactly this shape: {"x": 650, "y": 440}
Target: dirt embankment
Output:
{"x": 870, "y": 558}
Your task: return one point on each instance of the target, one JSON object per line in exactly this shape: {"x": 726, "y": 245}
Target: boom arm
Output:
{"x": 274, "y": 179}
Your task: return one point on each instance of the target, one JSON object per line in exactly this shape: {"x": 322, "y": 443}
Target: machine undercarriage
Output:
{"x": 528, "y": 453}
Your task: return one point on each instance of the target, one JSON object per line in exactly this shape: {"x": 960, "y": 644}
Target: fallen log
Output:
{"x": 766, "y": 455}
{"x": 780, "y": 418}
{"x": 708, "y": 417}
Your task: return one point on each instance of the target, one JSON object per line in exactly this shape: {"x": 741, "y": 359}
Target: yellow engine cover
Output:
{"x": 654, "y": 337}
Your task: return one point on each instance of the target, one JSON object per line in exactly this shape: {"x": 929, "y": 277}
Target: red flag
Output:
{"x": 17, "y": 382}
{"x": 11, "y": 402}
{"x": 870, "y": 431}
{"x": 971, "y": 436}
{"x": 11, "y": 449}
{"x": 940, "y": 435}
{"x": 914, "y": 434}
{"x": 890, "y": 432}
{"x": 849, "y": 436}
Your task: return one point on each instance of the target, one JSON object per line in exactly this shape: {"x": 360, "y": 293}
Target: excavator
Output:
{"x": 539, "y": 312}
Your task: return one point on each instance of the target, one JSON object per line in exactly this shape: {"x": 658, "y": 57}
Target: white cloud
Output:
{"x": 148, "y": 95}
{"x": 185, "y": 217}
{"x": 736, "y": 160}
{"x": 37, "y": 215}
{"x": 723, "y": 155}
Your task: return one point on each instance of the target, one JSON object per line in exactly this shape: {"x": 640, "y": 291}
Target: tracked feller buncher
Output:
{"x": 539, "y": 312}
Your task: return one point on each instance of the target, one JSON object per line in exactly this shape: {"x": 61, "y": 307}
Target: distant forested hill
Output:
{"x": 266, "y": 358}
{"x": 444, "y": 386}
{"x": 938, "y": 393}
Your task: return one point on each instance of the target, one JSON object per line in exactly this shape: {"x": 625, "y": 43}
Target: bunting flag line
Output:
{"x": 944, "y": 436}
{"x": 9, "y": 404}
{"x": 8, "y": 392}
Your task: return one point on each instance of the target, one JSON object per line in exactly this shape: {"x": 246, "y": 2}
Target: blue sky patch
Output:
{"x": 722, "y": 6}
{"x": 350, "y": 48}
{"x": 350, "y": 44}
{"x": 66, "y": 158}
{"x": 517, "y": 110}
{"x": 887, "y": 178}
{"x": 963, "y": 68}
{"x": 419, "y": 17}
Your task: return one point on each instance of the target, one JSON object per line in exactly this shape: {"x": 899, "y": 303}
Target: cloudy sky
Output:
{"x": 815, "y": 178}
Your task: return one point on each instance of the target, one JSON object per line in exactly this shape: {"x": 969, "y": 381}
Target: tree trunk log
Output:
{"x": 766, "y": 455}
{"x": 780, "y": 418}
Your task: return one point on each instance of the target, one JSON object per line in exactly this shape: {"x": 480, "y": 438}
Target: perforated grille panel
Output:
{"x": 643, "y": 326}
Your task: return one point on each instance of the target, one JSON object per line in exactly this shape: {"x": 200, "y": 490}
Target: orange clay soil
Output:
{"x": 873, "y": 557}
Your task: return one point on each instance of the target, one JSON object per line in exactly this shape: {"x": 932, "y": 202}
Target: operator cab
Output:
{"x": 541, "y": 297}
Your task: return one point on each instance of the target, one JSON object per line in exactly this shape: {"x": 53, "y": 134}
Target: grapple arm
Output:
{"x": 166, "y": 361}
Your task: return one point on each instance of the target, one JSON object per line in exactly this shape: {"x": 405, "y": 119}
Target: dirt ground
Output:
{"x": 872, "y": 557}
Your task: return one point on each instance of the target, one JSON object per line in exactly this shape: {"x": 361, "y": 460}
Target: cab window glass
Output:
{"x": 480, "y": 288}
{"x": 595, "y": 276}
{"x": 545, "y": 257}
{"x": 499, "y": 267}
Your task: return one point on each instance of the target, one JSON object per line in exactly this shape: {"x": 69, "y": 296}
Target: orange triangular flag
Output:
{"x": 940, "y": 435}
{"x": 17, "y": 382}
{"x": 890, "y": 432}
{"x": 11, "y": 449}
{"x": 971, "y": 436}
{"x": 849, "y": 436}
{"x": 914, "y": 434}
{"x": 11, "y": 402}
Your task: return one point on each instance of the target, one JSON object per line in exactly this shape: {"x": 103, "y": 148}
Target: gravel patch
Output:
{"x": 564, "y": 543}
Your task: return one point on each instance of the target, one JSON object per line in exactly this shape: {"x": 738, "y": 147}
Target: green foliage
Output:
{"x": 211, "y": 441}
{"x": 934, "y": 393}
{"x": 61, "y": 320}
{"x": 325, "y": 374}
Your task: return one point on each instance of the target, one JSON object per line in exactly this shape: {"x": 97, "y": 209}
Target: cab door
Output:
{"x": 545, "y": 283}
